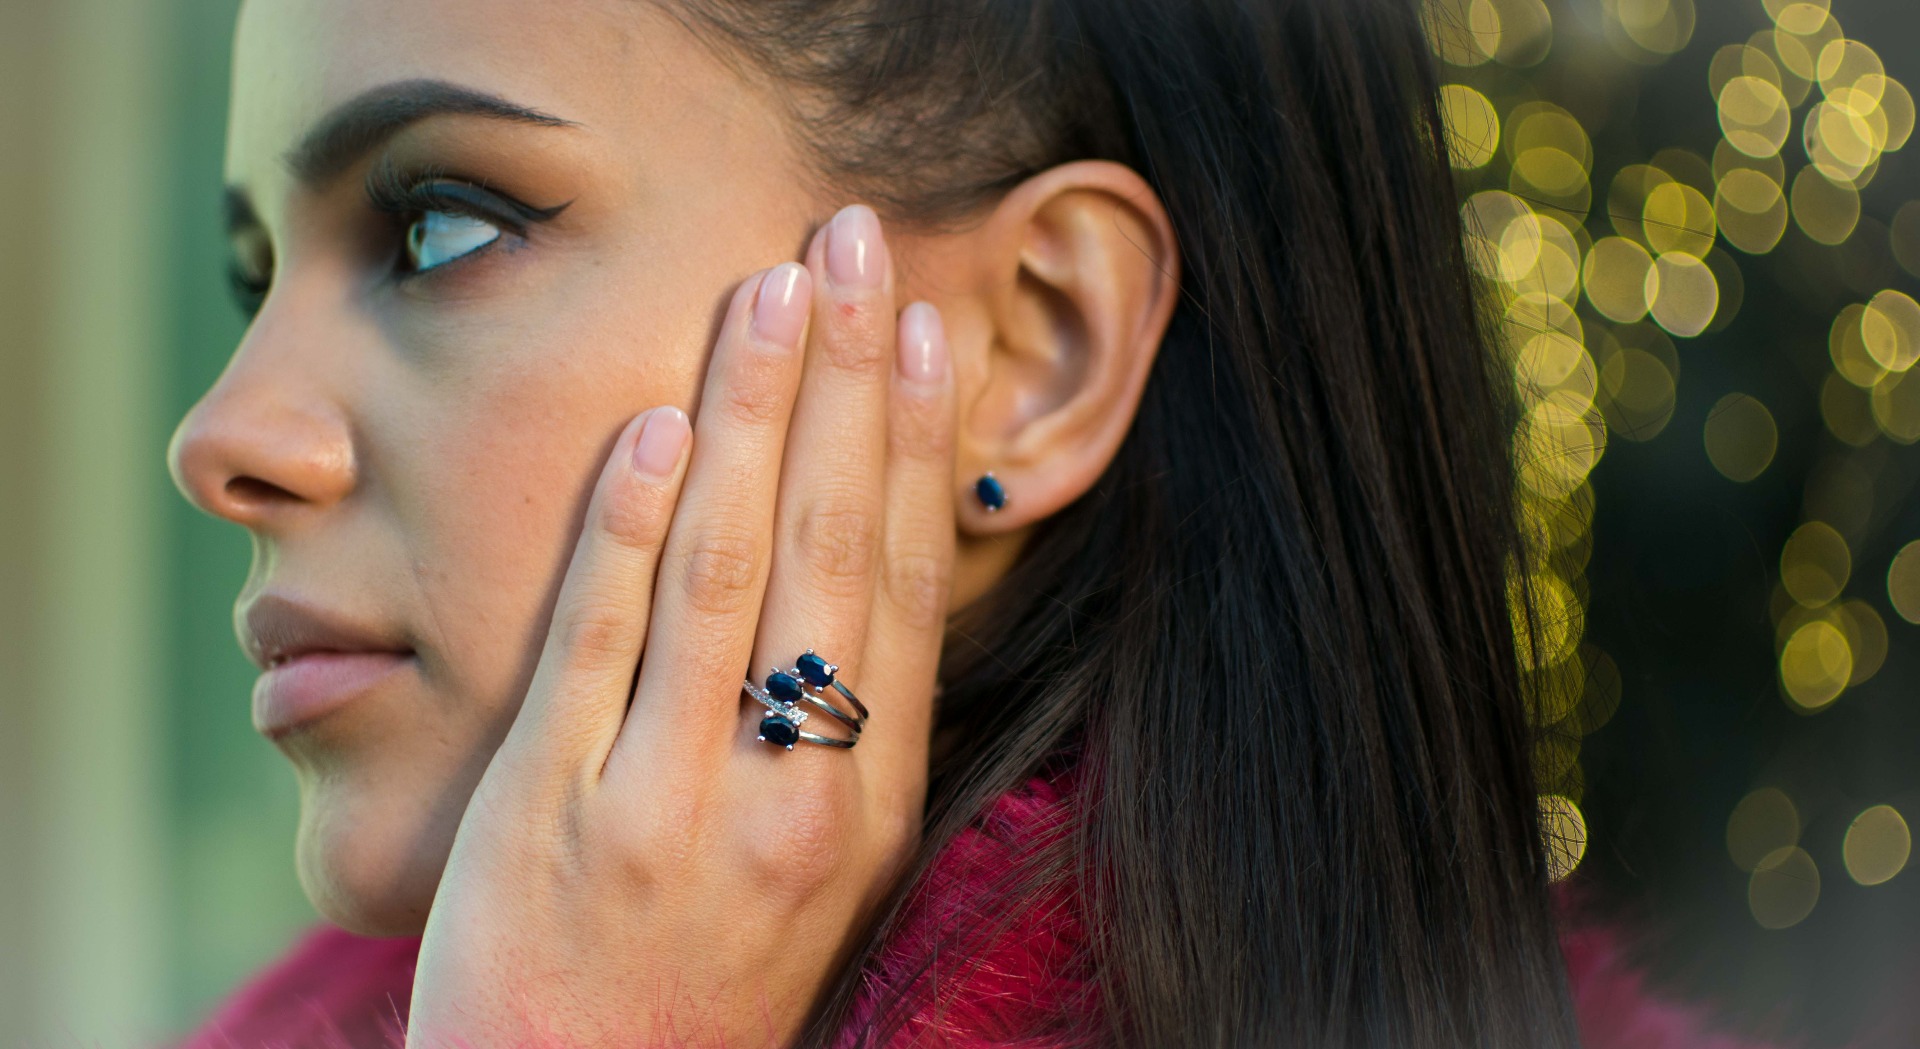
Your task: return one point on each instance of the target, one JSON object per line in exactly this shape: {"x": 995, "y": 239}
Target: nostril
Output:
{"x": 251, "y": 491}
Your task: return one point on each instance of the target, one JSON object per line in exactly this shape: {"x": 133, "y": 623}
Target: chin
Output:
{"x": 370, "y": 862}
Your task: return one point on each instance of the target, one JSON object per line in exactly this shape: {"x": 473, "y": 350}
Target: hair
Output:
{"x": 1276, "y": 640}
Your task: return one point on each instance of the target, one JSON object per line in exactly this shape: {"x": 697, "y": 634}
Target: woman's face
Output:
{"x": 412, "y": 425}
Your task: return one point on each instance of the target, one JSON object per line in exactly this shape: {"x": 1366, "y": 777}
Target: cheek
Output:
{"x": 494, "y": 452}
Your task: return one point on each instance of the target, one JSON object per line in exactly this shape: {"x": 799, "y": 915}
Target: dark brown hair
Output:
{"x": 1276, "y": 636}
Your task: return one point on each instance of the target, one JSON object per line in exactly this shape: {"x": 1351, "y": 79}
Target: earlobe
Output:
{"x": 1081, "y": 272}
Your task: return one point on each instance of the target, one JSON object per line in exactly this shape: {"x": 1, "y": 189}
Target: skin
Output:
{"x": 448, "y": 457}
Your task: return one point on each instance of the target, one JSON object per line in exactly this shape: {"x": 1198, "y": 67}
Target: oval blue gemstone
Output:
{"x": 814, "y": 669}
{"x": 776, "y": 729}
{"x": 991, "y": 494}
{"x": 783, "y": 687}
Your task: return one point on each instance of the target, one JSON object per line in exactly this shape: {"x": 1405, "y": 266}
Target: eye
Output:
{"x": 437, "y": 237}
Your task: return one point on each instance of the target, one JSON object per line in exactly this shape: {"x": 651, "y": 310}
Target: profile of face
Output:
{"x": 493, "y": 231}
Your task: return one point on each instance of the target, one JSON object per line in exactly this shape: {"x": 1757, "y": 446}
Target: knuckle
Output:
{"x": 854, "y": 340}
{"x": 634, "y": 519}
{"x": 720, "y": 570}
{"x": 917, "y": 582}
{"x": 754, "y": 392}
{"x": 592, "y": 631}
{"x": 837, "y": 542}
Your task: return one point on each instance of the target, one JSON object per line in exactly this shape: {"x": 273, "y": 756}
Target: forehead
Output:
{"x": 593, "y": 62}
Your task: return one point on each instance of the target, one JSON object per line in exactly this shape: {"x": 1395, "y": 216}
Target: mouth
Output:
{"x": 314, "y": 659}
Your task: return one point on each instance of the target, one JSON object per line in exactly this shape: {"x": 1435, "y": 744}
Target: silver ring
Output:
{"x": 805, "y": 682}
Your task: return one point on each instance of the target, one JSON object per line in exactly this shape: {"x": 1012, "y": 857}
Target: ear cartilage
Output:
{"x": 990, "y": 492}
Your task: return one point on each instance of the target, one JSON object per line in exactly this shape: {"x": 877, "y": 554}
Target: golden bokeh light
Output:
{"x": 1750, "y": 210}
{"x": 1798, "y": 48}
{"x": 1847, "y": 347}
{"x": 1462, "y": 32}
{"x": 1764, "y": 821}
{"x": 1740, "y": 437}
{"x": 1825, "y": 211}
{"x": 1679, "y": 218}
{"x": 1558, "y": 618}
{"x": 1647, "y": 31}
{"x": 1890, "y": 330}
{"x": 1866, "y": 636}
{"x": 1551, "y": 362}
{"x": 1795, "y": 87}
{"x": 1565, "y": 830}
{"x": 1620, "y": 279}
{"x": 1783, "y": 888}
{"x": 1600, "y": 696}
{"x": 1877, "y": 845}
{"x": 1844, "y": 64}
{"x": 1847, "y": 412}
{"x": 1683, "y": 294}
{"x": 1815, "y": 564}
{"x": 1754, "y": 115}
{"x": 1797, "y": 16}
{"x": 1896, "y": 407}
{"x": 1815, "y": 664}
{"x": 1903, "y": 582}
{"x": 1905, "y": 235}
{"x": 1473, "y": 127}
{"x": 1638, "y": 378}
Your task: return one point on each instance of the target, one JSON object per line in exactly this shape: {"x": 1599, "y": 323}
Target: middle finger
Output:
{"x": 828, "y": 524}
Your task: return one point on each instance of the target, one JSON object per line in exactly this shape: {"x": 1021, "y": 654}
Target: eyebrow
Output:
{"x": 360, "y": 124}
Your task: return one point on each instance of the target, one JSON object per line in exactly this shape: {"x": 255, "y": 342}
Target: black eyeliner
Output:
{"x": 433, "y": 188}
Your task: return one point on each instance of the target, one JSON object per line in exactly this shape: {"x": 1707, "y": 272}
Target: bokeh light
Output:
{"x": 1903, "y": 582}
{"x": 1877, "y": 845}
{"x": 1765, "y": 820}
{"x": 1566, "y": 833}
{"x": 1783, "y": 888}
{"x": 1740, "y": 437}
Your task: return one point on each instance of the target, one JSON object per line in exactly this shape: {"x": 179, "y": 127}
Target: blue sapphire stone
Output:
{"x": 991, "y": 494}
{"x": 783, "y": 687}
{"x": 814, "y": 669}
{"x": 776, "y": 729}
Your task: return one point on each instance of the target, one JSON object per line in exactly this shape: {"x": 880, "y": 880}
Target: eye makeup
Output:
{"x": 431, "y": 215}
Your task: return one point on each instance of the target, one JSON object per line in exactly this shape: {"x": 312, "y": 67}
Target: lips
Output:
{"x": 314, "y": 660}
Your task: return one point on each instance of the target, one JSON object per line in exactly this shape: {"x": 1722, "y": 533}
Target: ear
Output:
{"x": 1076, "y": 275}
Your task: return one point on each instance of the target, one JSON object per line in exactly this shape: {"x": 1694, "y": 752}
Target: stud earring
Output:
{"x": 991, "y": 493}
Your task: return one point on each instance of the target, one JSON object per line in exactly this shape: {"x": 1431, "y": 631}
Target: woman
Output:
{"x": 1136, "y": 456}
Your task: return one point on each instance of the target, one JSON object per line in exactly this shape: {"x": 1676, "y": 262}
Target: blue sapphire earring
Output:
{"x": 991, "y": 493}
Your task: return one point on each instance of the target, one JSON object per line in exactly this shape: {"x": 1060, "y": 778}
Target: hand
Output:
{"x": 651, "y": 874}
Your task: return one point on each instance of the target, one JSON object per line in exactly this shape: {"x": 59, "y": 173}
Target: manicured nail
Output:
{"x": 662, "y": 437}
{"x": 855, "y": 255}
{"x": 780, "y": 306}
{"x": 923, "y": 344}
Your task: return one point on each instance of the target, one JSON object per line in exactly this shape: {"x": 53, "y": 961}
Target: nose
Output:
{"x": 266, "y": 442}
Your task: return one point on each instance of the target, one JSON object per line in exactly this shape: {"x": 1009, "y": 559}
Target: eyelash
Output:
{"x": 404, "y": 198}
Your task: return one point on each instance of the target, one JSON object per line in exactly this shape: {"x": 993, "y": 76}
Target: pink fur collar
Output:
{"x": 335, "y": 990}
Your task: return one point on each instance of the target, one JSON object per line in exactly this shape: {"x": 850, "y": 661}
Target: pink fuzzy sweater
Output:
{"x": 335, "y": 990}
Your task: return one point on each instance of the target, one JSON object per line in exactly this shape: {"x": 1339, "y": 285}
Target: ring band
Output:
{"x": 806, "y": 682}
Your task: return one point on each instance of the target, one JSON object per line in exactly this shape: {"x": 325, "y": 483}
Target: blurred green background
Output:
{"x": 1741, "y": 728}
{"x": 146, "y": 832}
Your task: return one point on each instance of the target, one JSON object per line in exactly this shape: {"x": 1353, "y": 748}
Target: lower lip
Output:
{"x": 301, "y": 691}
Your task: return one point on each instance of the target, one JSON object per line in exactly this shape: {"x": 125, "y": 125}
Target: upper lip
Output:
{"x": 275, "y": 627}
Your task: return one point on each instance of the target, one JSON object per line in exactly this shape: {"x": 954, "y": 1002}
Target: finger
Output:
{"x": 917, "y": 548}
{"x": 578, "y": 696}
{"x": 827, "y": 526}
{"x": 719, "y": 544}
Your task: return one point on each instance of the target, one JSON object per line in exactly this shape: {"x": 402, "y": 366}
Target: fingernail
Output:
{"x": 662, "y": 437}
{"x": 855, "y": 255}
{"x": 923, "y": 344}
{"x": 780, "y": 307}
